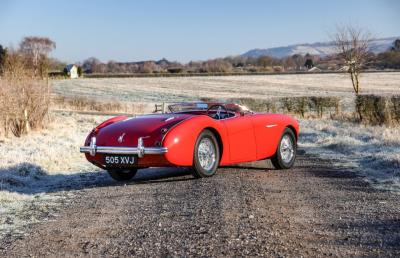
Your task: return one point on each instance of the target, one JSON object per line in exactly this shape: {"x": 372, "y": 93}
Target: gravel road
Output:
{"x": 313, "y": 210}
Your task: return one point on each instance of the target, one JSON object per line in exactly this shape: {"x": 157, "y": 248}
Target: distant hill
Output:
{"x": 319, "y": 48}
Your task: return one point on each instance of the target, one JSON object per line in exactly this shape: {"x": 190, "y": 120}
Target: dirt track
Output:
{"x": 311, "y": 210}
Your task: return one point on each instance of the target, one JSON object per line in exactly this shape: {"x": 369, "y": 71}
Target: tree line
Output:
{"x": 219, "y": 65}
{"x": 386, "y": 60}
{"x": 33, "y": 53}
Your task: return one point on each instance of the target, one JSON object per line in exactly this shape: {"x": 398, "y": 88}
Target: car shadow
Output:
{"x": 158, "y": 175}
{"x": 262, "y": 165}
{"x": 246, "y": 167}
{"x": 30, "y": 179}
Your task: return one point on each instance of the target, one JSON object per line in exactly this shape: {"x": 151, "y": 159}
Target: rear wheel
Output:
{"x": 122, "y": 174}
{"x": 286, "y": 153}
{"x": 206, "y": 155}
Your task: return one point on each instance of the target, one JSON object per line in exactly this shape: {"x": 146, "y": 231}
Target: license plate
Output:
{"x": 121, "y": 160}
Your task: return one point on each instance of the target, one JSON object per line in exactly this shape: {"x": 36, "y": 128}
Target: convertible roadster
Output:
{"x": 203, "y": 136}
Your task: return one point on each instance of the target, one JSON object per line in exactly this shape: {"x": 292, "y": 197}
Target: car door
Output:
{"x": 267, "y": 131}
{"x": 242, "y": 144}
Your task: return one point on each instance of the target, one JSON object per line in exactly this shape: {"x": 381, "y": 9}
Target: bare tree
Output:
{"x": 15, "y": 65}
{"x": 113, "y": 67}
{"x": 91, "y": 65}
{"x": 148, "y": 67}
{"x": 298, "y": 61}
{"x": 216, "y": 66}
{"x": 36, "y": 50}
{"x": 266, "y": 61}
{"x": 353, "y": 44}
{"x": 288, "y": 63}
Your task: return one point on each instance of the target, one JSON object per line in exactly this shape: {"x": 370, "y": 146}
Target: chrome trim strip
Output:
{"x": 169, "y": 119}
{"x": 140, "y": 150}
{"x": 270, "y": 126}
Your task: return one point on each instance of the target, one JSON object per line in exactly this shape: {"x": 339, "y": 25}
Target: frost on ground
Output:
{"x": 40, "y": 171}
{"x": 373, "y": 151}
{"x": 44, "y": 162}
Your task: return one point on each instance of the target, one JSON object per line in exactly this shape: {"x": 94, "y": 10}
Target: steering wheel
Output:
{"x": 218, "y": 114}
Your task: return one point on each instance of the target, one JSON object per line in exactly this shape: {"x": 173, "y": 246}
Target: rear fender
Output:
{"x": 181, "y": 139}
{"x": 102, "y": 125}
{"x": 110, "y": 121}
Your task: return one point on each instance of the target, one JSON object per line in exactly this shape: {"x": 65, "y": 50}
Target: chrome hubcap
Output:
{"x": 206, "y": 154}
{"x": 287, "y": 149}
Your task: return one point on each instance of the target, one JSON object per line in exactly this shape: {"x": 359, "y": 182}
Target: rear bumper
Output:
{"x": 140, "y": 150}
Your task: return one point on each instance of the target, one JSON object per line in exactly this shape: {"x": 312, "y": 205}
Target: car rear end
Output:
{"x": 130, "y": 142}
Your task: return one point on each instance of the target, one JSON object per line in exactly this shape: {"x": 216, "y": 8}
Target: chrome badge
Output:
{"x": 121, "y": 138}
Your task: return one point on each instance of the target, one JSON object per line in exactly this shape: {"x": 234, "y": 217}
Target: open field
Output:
{"x": 193, "y": 88}
{"x": 372, "y": 151}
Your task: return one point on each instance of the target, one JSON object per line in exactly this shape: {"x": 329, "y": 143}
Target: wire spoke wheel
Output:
{"x": 206, "y": 155}
{"x": 285, "y": 155}
{"x": 287, "y": 149}
{"x": 206, "y": 152}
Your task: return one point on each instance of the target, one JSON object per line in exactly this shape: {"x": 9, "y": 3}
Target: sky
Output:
{"x": 179, "y": 30}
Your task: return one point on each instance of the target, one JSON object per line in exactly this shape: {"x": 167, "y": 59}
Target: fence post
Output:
{"x": 6, "y": 127}
{"x": 27, "y": 127}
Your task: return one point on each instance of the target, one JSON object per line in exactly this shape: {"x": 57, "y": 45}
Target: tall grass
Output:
{"x": 24, "y": 104}
{"x": 79, "y": 103}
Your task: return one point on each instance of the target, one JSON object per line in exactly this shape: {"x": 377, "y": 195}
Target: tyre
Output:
{"x": 122, "y": 174}
{"x": 286, "y": 152}
{"x": 206, "y": 155}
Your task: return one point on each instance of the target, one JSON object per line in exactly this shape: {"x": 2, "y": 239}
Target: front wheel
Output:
{"x": 122, "y": 174}
{"x": 206, "y": 155}
{"x": 286, "y": 153}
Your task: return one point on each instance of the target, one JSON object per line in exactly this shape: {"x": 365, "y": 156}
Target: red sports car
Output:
{"x": 198, "y": 135}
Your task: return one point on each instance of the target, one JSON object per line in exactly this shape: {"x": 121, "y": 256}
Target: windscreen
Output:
{"x": 179, "y": 107}
{"x": 201, "y": 106}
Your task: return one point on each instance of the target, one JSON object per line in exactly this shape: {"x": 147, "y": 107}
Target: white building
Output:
{"x": 314, "y": 70}
{"x": 71, "y": 71}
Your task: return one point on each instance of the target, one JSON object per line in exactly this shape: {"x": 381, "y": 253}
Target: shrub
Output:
{"x": 378, "y": 110}
{"x": 287, "y": 104}
{"x": 304, "y": 106}
{"x": 396, "y": 108}
{"x": 300, "y": 106}
{"x": 322, "y": 104}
